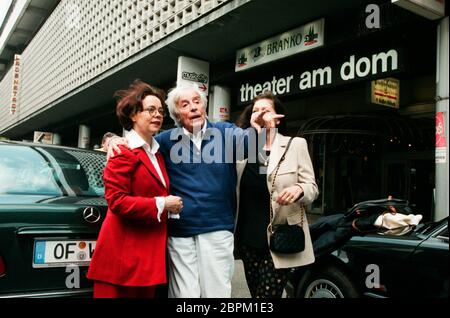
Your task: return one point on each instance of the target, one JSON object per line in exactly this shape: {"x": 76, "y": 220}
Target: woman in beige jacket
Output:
{"x": 267, "y": 272}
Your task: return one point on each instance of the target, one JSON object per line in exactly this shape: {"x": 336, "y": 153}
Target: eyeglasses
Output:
{"x": 152, "y": 110}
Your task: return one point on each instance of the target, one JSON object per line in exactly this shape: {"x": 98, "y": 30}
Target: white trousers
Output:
{"x": 201, "y": 266}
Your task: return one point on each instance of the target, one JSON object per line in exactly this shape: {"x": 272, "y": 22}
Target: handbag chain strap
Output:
{"x": 273, "y": 186}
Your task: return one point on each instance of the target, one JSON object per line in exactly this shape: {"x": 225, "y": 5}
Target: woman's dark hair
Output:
{"x": 244, "y": 119}
{"x": 130, "y": 100}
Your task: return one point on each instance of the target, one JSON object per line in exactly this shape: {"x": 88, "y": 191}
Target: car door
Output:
{"x": 381, "y": 263}
{"x": 430, "y": 259}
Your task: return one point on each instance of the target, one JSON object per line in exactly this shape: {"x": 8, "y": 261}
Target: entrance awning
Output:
{"x": 417, "y": 133}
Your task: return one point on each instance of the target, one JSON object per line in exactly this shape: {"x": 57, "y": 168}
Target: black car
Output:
{"x": 51, "y": 208}
{"x": 413, "y": 265}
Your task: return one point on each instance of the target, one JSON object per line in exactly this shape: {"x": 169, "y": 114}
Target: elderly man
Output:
{"x": 200, "y": 243}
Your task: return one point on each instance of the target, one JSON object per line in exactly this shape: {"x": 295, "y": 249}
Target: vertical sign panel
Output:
{"x": 193, "y": 71}
{"x": 15, "y": 84}
{"x": 441, "y": 142}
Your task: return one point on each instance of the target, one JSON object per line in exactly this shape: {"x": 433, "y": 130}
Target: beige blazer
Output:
{"x": 295, "y": 169}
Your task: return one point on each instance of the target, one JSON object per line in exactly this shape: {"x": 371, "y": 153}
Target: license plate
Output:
{"x": 60, "y": 253}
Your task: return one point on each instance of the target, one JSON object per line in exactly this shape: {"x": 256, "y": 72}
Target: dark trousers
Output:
{"x": 263, "y": 279}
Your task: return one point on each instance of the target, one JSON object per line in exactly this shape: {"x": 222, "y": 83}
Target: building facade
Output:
{"x": 358, "y": 79}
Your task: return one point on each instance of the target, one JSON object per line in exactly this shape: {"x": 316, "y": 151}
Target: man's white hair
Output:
{"x": 176, "y": 93}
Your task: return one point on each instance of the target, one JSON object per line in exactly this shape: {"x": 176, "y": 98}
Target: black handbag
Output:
{"x": 285, "y": 238}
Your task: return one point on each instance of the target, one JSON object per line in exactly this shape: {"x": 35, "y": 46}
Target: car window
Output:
{"x": 24, "y": 171}
{"x": 430, "y": 227}
{"x": 93, "y": 164}
{"x": 80, "y": 172}
{"x": 51, "y": 171}
{"x": 443, "y": 234}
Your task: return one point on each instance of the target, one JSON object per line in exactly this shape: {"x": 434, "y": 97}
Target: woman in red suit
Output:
{"x": 130, "y": 255}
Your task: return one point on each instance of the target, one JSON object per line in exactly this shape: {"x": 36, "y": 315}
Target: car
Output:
{"x": 51, "y": 209}
{"x": 380, "y": 266}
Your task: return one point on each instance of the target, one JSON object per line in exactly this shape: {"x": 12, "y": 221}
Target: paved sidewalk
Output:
{"x": 239, "y": 287}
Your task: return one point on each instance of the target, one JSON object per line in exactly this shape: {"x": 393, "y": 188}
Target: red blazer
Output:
{"x": 131, "y": 247}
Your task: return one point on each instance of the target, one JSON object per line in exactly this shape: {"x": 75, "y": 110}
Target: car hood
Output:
{"x": 21, "y": 199}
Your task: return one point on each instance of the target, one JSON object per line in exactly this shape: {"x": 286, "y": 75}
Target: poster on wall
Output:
{"x": 219, "y": 103}
{"x": 441, "y": 142}
{"x": 43, "y": 137}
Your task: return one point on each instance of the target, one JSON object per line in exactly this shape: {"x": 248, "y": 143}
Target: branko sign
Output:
{"x": 300, "y": 39}
{"x": 353, "y": 68}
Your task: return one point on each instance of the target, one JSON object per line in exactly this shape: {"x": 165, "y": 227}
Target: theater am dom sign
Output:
{"x": 303, "y": 78}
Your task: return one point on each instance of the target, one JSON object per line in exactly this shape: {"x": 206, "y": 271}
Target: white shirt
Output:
{"x": 197, "y": 137}
{"x": 136, "y": 141}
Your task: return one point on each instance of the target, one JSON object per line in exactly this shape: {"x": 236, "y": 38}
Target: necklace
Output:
{"x": 264, "y": 160}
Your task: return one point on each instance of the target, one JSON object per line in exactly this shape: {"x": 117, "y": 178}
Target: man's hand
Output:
{"x": 113, "y": 146}
{"x": 265, "y": 119}
{"x": 290, "y": 195}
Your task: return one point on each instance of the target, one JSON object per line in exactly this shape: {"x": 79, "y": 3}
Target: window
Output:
{"x": 24, "y": 171}
{"x": 51, "y": 171}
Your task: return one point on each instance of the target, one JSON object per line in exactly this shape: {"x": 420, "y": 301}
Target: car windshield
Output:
{"x": 50, "y": 171}
{"x": 428, "y": 228}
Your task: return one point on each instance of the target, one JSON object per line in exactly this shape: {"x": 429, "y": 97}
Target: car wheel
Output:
{"x": 326, "y": 282}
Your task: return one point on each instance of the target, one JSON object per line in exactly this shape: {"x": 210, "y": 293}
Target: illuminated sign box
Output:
{"x": 386, "y": 92}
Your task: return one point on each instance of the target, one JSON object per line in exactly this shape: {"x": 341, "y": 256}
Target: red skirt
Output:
{"x": 105, "y": 290}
